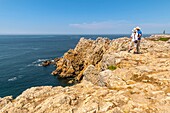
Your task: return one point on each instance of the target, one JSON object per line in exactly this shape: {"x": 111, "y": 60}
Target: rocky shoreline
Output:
{"x": 111, "y": 80}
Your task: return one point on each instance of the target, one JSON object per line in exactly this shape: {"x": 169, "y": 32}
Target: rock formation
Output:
{"x": 46, "y": 63}
{"x": 139, "y": 83}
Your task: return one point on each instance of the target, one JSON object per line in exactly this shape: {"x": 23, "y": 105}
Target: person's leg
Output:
{"x": 135, "y": 47}
{"x": 138, "y": 46}
{"x": 130, "y": 46}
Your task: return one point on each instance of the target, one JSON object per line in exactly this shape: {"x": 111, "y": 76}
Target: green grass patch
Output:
{"x": 164, "y": 39}
{"x": 112, "y": 67}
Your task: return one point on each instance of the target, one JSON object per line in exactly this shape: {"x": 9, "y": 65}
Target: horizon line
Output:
{"x": 85, "y": 34}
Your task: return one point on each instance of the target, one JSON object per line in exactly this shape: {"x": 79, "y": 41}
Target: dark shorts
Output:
{"x": 135, "y": 41}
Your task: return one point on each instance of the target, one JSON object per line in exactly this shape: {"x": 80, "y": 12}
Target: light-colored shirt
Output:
{"x": 134, "y": 36}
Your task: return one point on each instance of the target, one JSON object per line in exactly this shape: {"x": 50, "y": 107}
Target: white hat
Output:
{"x": 137, "y": 27}
{"x": 134, "y": 30}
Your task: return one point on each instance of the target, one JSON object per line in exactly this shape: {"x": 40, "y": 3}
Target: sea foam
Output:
{"x": 37, "y": 62}
{"x": 12, "y": 79}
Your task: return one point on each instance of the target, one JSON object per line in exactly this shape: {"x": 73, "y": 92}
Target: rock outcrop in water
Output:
{"x": 113, "y": 80}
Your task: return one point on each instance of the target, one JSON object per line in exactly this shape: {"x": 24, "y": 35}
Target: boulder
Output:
{"x": 91, "y": 74}
{"x": 46, "y": 63}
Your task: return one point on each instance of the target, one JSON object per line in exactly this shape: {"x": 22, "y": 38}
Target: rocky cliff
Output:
{"x": 112, "y": 80}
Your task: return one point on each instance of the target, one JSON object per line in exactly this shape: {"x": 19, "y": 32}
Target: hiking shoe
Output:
{"x": 135, "y": 53}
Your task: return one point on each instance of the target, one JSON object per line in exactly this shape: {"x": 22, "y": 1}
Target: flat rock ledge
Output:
{"x": 112, "y": 80}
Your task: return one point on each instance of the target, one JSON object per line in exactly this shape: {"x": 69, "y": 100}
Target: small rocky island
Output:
{"x": 111, "y": 80}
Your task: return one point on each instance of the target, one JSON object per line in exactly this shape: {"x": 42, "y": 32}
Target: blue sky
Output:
{"x": 83, "y": 16}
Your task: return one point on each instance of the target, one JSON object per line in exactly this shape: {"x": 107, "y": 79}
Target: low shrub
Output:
{"x": 111, "y": 67}
{"x": 164, "y": 39}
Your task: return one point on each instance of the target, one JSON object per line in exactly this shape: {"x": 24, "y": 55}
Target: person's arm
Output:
{"x": 130, "y": 36}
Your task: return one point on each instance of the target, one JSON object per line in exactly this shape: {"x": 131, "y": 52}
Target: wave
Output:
{"x": 38, "y": 62}
{"x": 21, "y": 68}
{"x": 35, "y": 48}
{"x": 20, "y": 76}
{"x": 37, "y": 65}
{"x": 12, "y": 79}
{"x": 15, "y": 78}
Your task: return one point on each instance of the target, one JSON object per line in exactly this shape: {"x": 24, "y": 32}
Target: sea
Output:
{"x": 21, "y": 57}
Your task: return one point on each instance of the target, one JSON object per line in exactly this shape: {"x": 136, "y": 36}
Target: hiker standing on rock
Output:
{"x": 139, "y": 32}
{"x": 134, "y": 41}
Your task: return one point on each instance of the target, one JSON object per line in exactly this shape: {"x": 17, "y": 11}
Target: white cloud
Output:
{"x": 121, "y": 27}
{"x": 93, "y": 25}
{"x": 102, "y": 27}
{"x": 98, "y": 25}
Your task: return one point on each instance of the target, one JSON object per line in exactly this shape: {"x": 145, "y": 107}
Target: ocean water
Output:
{"x": 21, "y": 56}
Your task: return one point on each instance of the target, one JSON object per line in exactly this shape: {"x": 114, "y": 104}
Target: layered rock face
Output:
{"x": 87, "y": 52}
{"x": 139, "y": 83}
